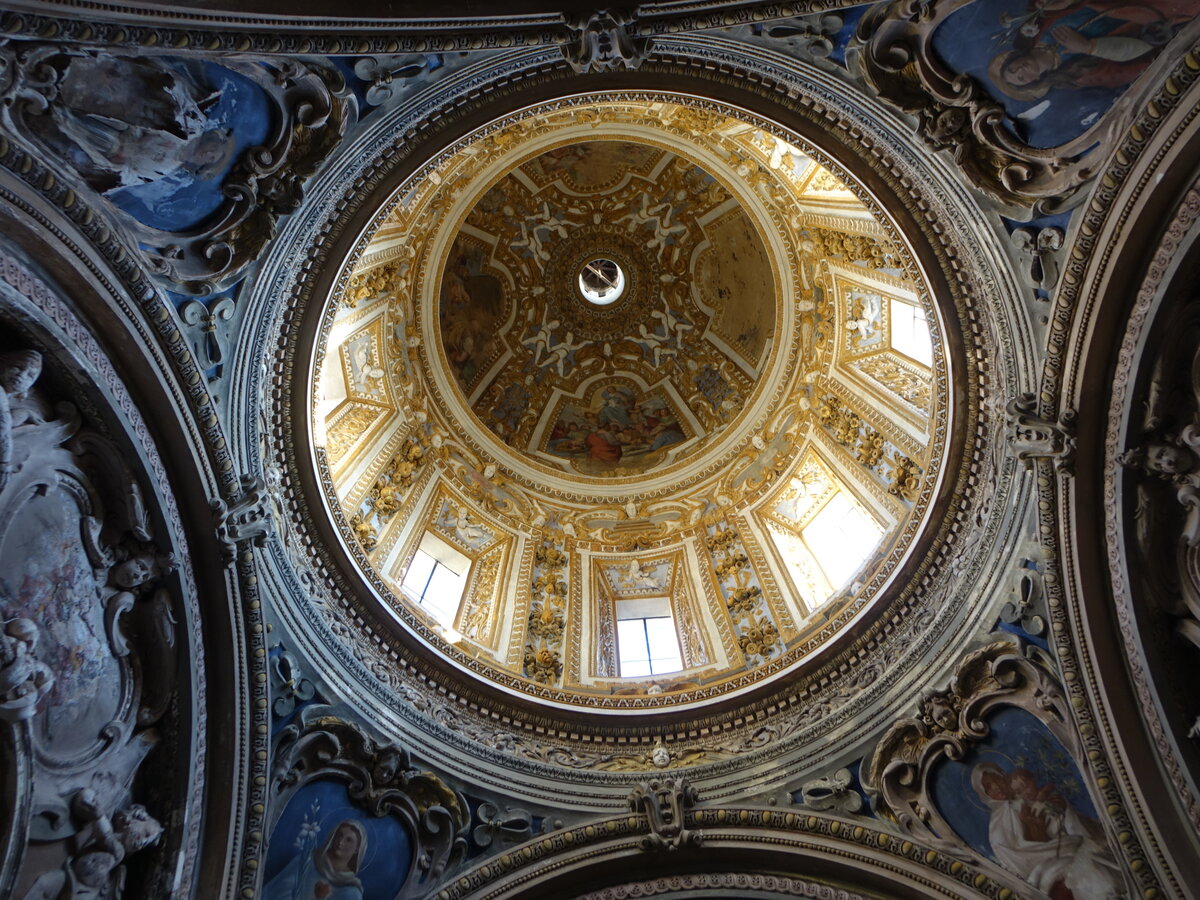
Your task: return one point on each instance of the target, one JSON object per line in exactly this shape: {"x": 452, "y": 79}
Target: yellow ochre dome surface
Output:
{"x": 629, "y": 374}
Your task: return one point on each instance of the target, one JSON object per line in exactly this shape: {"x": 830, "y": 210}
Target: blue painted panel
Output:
{"x": 1058, "y": 65}
{"x": 1018, "y": 798}
{"x": 303, "y": 854}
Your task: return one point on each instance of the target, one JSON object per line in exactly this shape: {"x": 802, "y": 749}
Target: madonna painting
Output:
{"x": 324, "y": 847}
{"x": 328, "y": 871}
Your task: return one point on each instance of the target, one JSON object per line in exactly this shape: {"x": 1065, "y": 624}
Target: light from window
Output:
{"x": 842, "y": 537}
{"x": 435, "y": 579}
{"x": 646, "y": 640}
{"x": 910, "y": 332}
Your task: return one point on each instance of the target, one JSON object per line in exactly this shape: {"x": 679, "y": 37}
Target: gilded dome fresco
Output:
{"x": 611, "y": 416}
{"x": 630, "y": 380}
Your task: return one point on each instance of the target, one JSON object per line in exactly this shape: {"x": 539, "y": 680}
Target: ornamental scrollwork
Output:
{"x": 243, "y": 519}
{"x": 998, "y": 125}
{"x": 832, "y": 792}
{"x": 1001, "y": 733}
{"x": 948, "y": 723}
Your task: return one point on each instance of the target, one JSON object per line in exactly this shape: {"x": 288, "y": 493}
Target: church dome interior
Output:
{"x": 722, "y": 448}
{"x": 688, "y": 476}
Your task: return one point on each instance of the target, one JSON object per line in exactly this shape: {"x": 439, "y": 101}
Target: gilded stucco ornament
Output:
{"x": 362, "y": 643}
{"x": 580, "y": 455}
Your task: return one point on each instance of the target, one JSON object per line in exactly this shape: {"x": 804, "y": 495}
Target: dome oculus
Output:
{"x": 601, "y": 281}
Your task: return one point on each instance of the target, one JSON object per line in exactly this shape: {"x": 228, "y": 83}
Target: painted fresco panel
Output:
{"x": 593, "y": 165}
{"x": 1058, "y": 65}
{"x": 155, "y": 135}
{"x": 471, "y": 312}
{"x": 310, "y": 858}
{"x": 620, "y": 431}
{"x": 735, "y": 279}
{"x": 46, "y": 577}
{"x": 1018, "y": 798}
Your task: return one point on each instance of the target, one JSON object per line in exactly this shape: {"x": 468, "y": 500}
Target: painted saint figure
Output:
{"x": 329, "y": 872}
{"x": 1074, "y": 44}
{"x": 1036, "y": 834}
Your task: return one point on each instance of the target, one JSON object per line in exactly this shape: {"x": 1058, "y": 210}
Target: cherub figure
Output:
{"x": 18, "y": 372}
{"x": 24, "y": 679}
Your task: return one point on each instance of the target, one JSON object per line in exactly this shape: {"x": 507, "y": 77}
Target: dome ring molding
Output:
{"x": 855, "y": 646}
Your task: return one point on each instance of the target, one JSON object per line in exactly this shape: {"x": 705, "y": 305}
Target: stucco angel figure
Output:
{"x": 96, "y": 869}
{"x": 865, "y": 323}
{"x": 1175, "y": 459}
{"x": 329, "y": 872}
{"x": 18, "y": 372}
{"x": 24, "y": 679}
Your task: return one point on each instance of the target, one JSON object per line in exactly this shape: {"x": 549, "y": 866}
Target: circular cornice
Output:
{"x": 474, "y": 166}
{"x": 842, "y": 682}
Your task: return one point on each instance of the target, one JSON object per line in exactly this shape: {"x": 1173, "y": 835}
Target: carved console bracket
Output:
{"x": 603, "y": 41}
{"x": 246, "y": 518}
{"x": 665, "y": 805}
{"x": 1035, "y": 437}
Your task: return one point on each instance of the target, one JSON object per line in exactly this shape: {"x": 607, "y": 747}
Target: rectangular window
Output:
{"x": 647, "y": 643}
{"x": 436, "y": 577}
{"x": 841, "y": 537}
{"x": 910, "y": 332}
